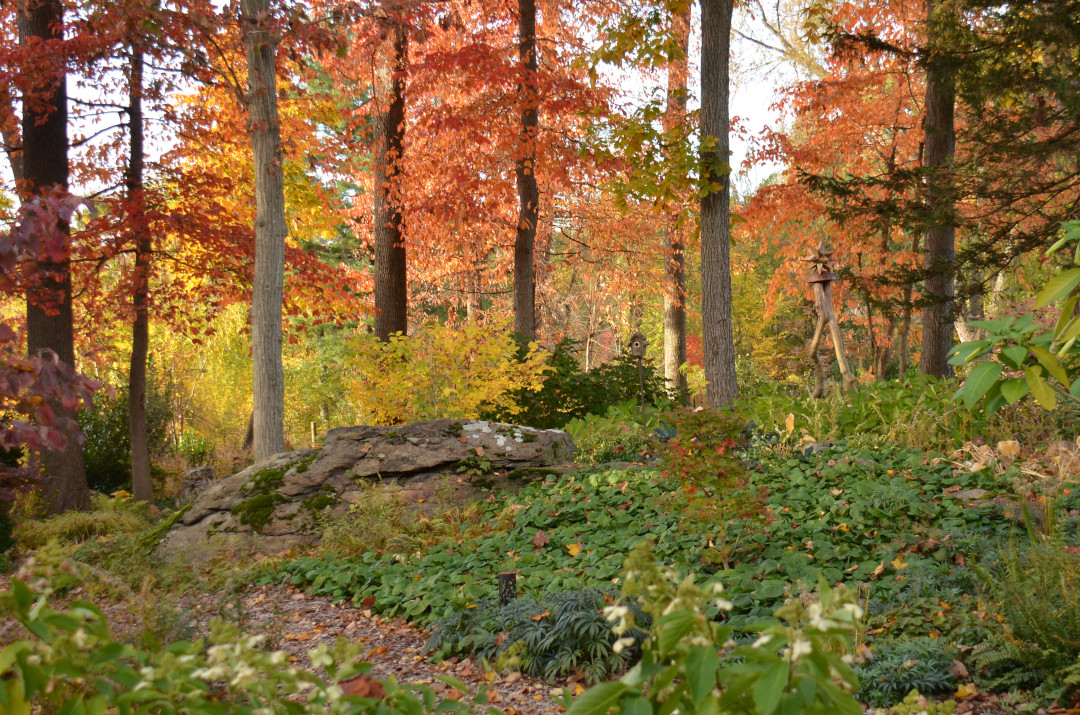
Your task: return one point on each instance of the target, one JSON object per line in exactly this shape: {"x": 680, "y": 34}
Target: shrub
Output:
{"x": 916, "y": 413}
{"x": 196, "y": 449}
{"x": 108, "y": 516}
{"x": 618, "y": 435}
{"x": 571, "y": 393}
{"x": 442, "y": 372}
{"x": 562, "y": 634}
{"x": 702, "y": 458}
{"x": 107, "y": 452}
{"x": 920, "y": 664}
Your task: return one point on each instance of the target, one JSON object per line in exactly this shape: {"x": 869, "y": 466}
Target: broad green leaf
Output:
{"x": 1050, "y": 364}
{"x": 1069, "y": 332}
{"x": 979, "y": 381}
{"x": 701, "y": 667}
{"x": 670, "y": 629}
{"x": 1075, "y": 389}
{"x": 636, "y": 706}
{"x": 966, "y": 352}
{"x": 1014, "y": 388}
{"x": 770, "y": 687}
{"x": 994, "y": 400}
{"x": 1024, "y": 324}
{"x": 1057, "y": 245}
{"x": 1066, "y": 315}
{"x": 1014, "y": 356}
{"x": 1042, "y": 392}
{"x": 1058, "y": 287}
{"x": 599, "y": 699}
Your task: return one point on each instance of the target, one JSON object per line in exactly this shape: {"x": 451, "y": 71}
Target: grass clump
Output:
{"x": 380, "y": 522}
{"x": 108, "y": 517}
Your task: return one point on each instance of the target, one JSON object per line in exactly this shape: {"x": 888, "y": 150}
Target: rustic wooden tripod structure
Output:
{"x": 821, "y": 278}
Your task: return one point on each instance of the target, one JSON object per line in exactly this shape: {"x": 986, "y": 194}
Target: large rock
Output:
{"x": 279, "y": 498}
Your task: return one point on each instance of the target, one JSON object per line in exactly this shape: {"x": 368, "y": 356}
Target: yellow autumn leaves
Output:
{"x": 442, "y": 372}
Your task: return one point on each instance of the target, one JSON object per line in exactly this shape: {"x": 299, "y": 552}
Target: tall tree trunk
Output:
{"x": 674, "y": 245}
{"x": 270, "y": 230}
{"x": 391, "y": 289}
{"x": 525, "y": 168}
{"x": 718, "y": 339}
{"x": 904, "y": 338}
{"x": 49, "y": 323}
{"x": 140, "y": 296}
{"x": 474, "y": 307}
{"x": 940, "y": 249}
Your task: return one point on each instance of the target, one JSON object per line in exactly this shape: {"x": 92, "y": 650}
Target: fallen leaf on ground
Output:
{"x": 363, "y": 686}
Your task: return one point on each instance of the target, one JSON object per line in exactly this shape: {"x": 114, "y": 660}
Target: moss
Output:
{"x": 302, "y": 465}
{"x": 456, "y": 429}
{"x": 527, "y": 437}
{"x": 322, "y": 499}
{"x": 150, "y": 538}
{"x": 266, "y": 480}
{"x": 257, "y": 511}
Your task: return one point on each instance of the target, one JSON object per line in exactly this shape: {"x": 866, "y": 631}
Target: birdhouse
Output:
{"x": 638, "y": 343}
{"x": 822, "y": 277}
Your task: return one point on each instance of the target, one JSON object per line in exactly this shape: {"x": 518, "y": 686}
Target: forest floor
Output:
{"x": 295, "y": 623}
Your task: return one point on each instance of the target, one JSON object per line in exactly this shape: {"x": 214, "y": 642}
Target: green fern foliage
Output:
{"x": 562, "y": 634}
{"x": 1037, "y": 593}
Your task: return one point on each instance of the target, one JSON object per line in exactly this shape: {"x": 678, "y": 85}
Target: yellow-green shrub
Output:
{"x": 442, "y": 372}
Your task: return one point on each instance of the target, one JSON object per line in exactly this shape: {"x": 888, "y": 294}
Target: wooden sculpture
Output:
{"x": 821, "y": 278}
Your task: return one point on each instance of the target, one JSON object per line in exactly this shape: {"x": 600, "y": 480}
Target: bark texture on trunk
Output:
{"x": 525, "y": 169}
{"x": 270, "y": 230}
{"x": 717, "y": 334}
{"x": 49, "y": 323}
{"x": 940, "y": 249}
{"x": 142, "y": 487}
{"x": 391, "y": 289}
{"x": 674, "y": 243}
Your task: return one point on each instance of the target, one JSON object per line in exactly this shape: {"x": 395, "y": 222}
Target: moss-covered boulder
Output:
{"x": 275, "y": 503}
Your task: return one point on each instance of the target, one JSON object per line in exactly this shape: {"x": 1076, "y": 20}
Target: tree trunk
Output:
{"x": 674, "y": 245}
{"x": 391, "y": 289}
{"x": 717, "y": 333}
{"x": 525, "y": 168}
{"x": 270, "y": 230}
{"x": 940, "y": 249}
{"x": 474, "y": 307}
{"x": 970, "y": 309}
{"x": 49, "y": 323}
{"x": 904, "y": 338}
{"x": 140, "y": 296}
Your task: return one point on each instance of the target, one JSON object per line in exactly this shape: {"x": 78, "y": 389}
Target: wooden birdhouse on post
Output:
{"x": 821, "y": 278}
{"x": 638, "y": 346}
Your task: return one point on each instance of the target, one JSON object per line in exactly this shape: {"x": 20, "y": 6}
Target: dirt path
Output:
{"x": 295, "y": 622}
